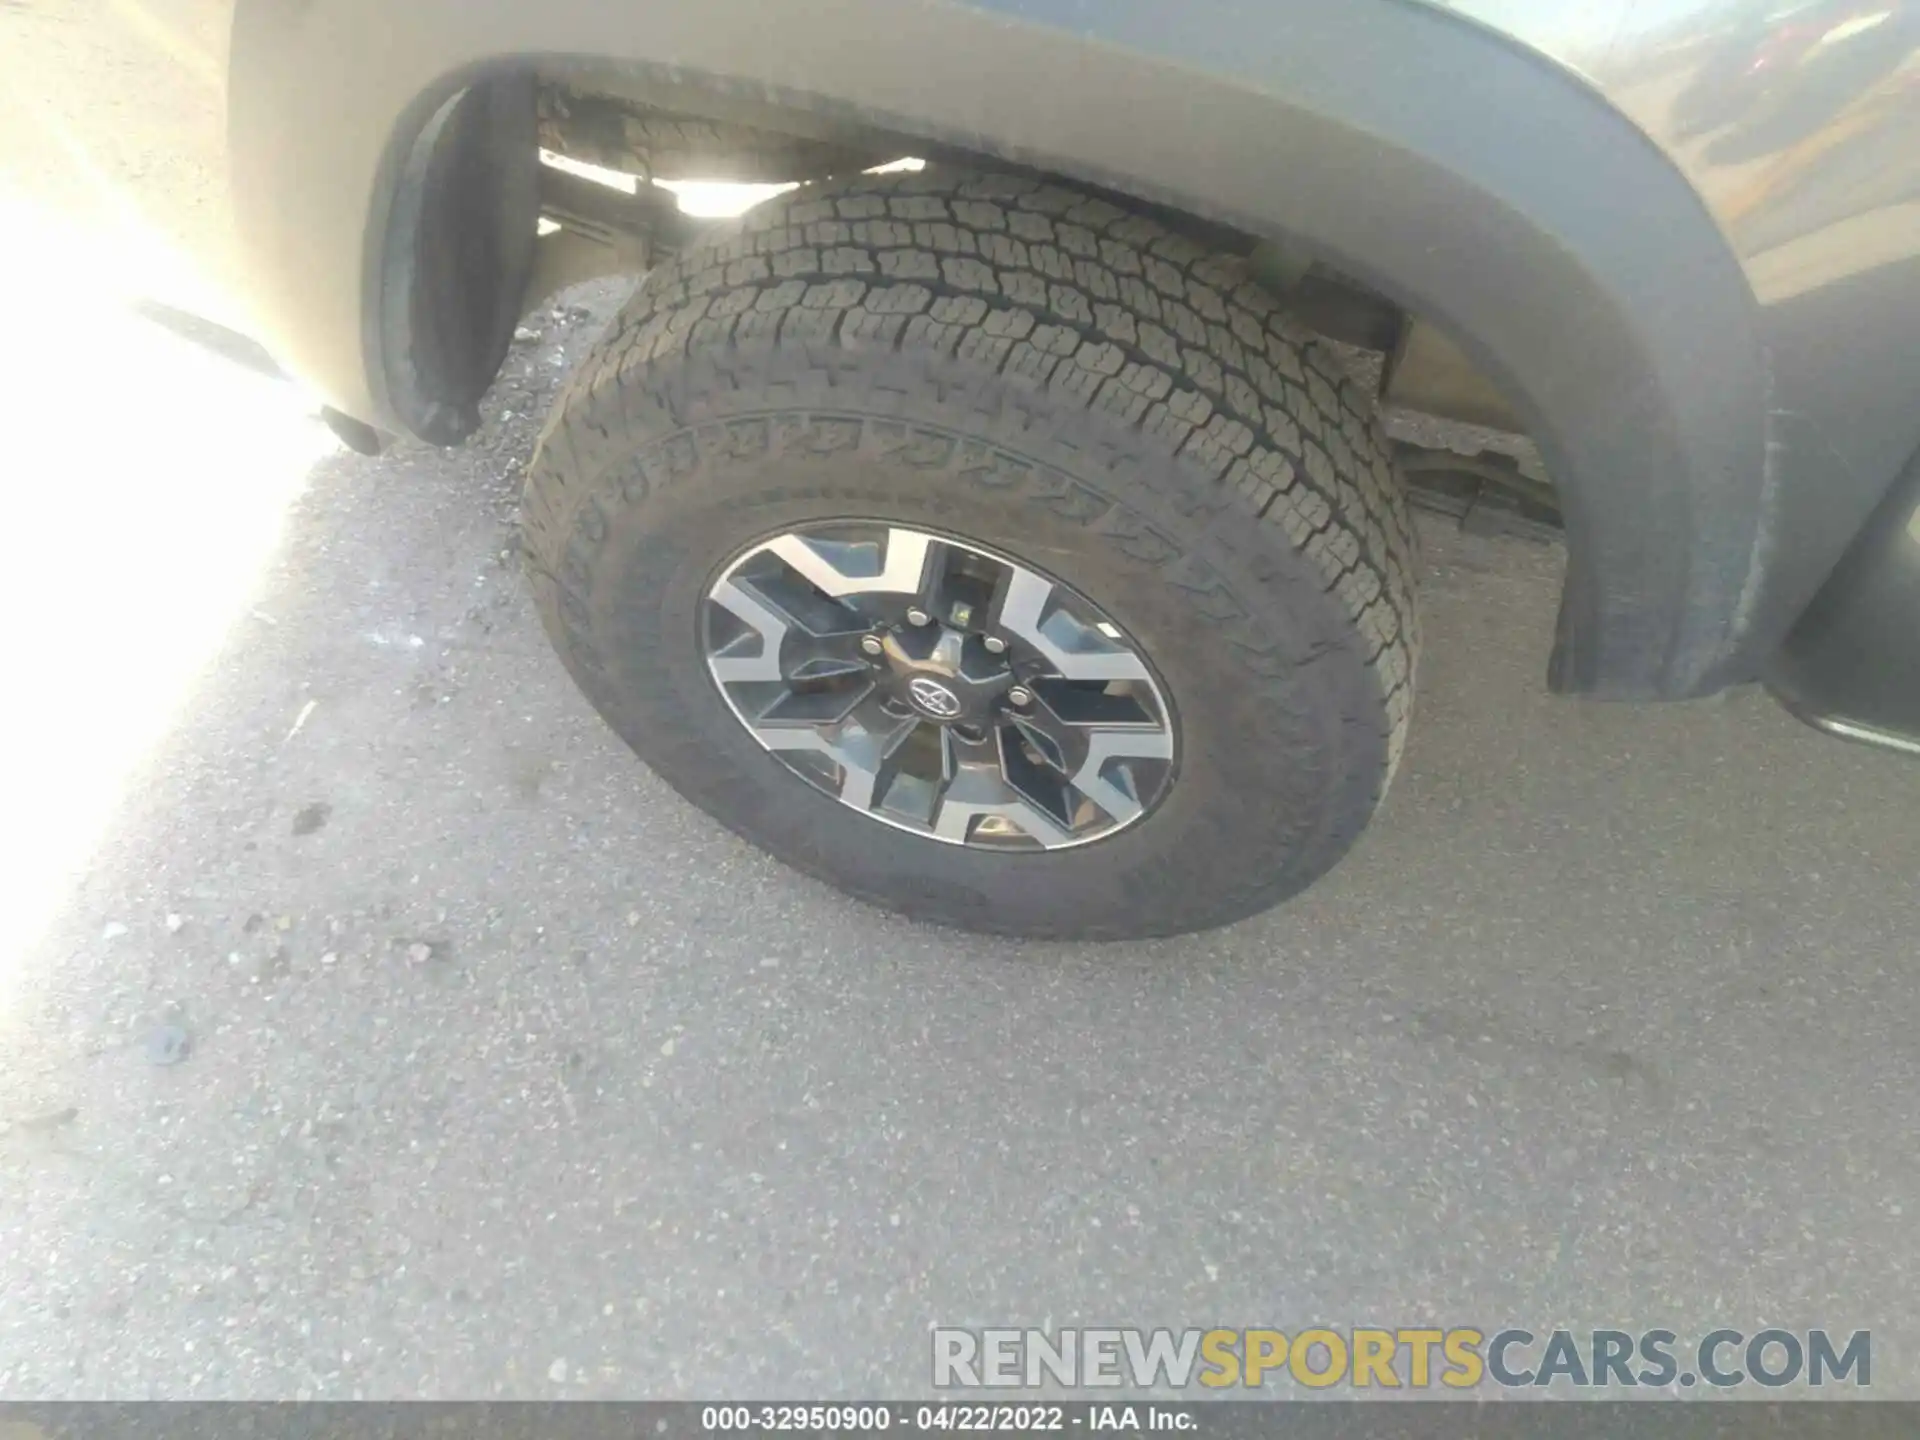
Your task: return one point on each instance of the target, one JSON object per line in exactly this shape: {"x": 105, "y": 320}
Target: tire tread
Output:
{"x": 1098, "y": 305}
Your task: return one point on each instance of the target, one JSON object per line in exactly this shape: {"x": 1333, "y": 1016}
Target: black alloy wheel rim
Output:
{"x": 938, "y": 686}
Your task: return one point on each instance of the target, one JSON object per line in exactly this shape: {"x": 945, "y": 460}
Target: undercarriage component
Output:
{"x": 620, "y": 133}
{"x": 600, "y": 230}
{"x": 1487, "y": 494}
{"x": 643, "y": 223}
{"x": 1330, "y": 306}
{"x": 1427, "y": 372}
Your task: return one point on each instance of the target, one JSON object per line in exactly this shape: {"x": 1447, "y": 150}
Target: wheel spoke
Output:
{"x": 1079, "y": 750}
{"x": 959, "y": 812}
{"x": 1074, "y": 650}
{"x": 1103, "y": 746}
{"x": 764, "y": 621}
{"x": 952, "y": 760}
{"x": 869, "y": 760}
{"x": 791, "y": 638}
{"x": 826, "y": 657}
{"x": 817, "y": 705}
{"x": 865, "y": 755}
{"x": 840, "y": 568}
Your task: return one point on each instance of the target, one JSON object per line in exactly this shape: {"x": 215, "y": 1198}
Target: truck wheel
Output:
{"x": 989, "y": 552}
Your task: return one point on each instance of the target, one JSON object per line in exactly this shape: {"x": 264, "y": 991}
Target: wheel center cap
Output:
{"x": 933, "y": 699}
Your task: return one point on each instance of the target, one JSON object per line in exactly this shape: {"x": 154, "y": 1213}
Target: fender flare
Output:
{"x": 1468, "y": 178}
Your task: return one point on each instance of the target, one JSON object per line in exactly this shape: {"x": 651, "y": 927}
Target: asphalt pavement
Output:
{"x": 375, "y": 1026}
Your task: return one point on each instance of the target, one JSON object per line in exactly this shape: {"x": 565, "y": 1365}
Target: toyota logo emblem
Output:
{"x": 933, "y": 697}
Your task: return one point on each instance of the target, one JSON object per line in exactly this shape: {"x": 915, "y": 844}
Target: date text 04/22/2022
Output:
{"x": 949, "y": 1417}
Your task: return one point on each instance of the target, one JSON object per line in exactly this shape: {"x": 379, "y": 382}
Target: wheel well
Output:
{"x": 1568, "y": 254}
{"x": 463, "y": 265}
{"x": 630, "y": 122}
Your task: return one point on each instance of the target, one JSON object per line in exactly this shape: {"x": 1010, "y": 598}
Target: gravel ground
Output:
{"x": 374, "y": 1026}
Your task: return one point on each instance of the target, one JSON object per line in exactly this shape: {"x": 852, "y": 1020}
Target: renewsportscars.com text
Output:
{"x": 1361, "y": 1357}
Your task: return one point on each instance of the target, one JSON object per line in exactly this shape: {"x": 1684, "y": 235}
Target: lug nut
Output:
{"x": 995, "y": 645}
{"x": 1019, "y": 695}
{"x": 917, "y": 616}
{"x": 871, "y": 644}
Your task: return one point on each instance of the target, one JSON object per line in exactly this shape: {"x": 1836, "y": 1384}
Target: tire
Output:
{"x": 1046, "y": 375}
